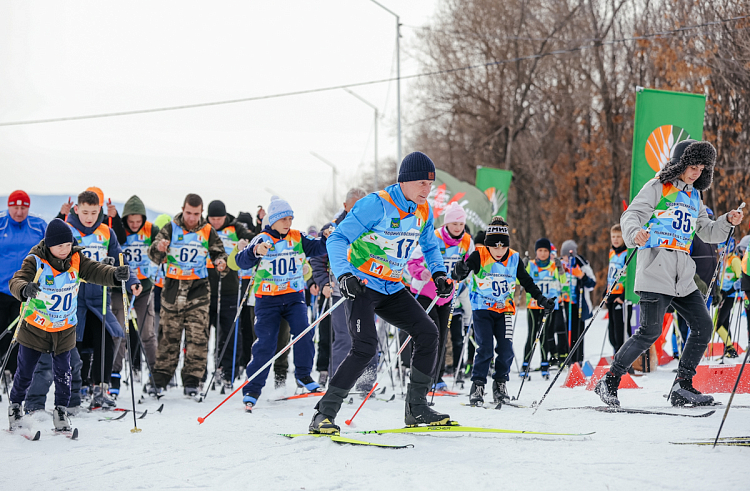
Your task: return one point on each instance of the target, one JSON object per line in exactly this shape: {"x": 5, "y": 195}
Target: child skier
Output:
{"x": 49, "y": 314}
{"x": 496, "y": 269}
{"x": 671, "y": 204}
{"x": 619, "y": 313}
{"x": 546, "y": 275}
{"x": 455, "y": 245}
{"x": 368, "y": 253}
{"x": 279, "y": 288}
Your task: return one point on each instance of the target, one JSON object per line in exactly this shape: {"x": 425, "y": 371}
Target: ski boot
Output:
{"x": 323, "y": 425}
{"x": 279, "y": 380}
{"x": 61, "y": 420}
{"x": 545, "y": 370}
{"x": 308, "y": 383}
{"x": 730, "y": 352}
{"x": 416, "y": 410}
{"x": 323, "y": 378}
{"x": 114, "y": 388}
{"x": 15, "y": 416}
{"x": 684, "y": 394}
{"x": 500, "y": 392}
{"x": 250, "y": 401}
{"x": 153, "y": 391}
{"x": 100, "y": 399}
{"x": 226, "y": 386}
{"x": 476, "y": 396}
{"x": 606, "y": 389}
{"x": 524, "y": 371}
{"x": 190, "y": 392}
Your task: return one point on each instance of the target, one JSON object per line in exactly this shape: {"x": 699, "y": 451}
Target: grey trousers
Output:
{"x": 653, "y": 307}
{"x": 144, "y": 312}
{"x": 36, "y": 397}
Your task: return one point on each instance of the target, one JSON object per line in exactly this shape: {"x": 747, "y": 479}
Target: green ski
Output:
{"x": 345, "y": 440}
{"x": 465, "y": 429}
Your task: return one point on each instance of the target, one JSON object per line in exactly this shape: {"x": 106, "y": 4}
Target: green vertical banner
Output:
{"x": 495, "y": 184}
{"x": 447, "y": 189}
{"x": 662, "y": 119}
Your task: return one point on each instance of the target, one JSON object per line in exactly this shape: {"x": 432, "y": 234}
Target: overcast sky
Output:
{"x": 75, "y": 58}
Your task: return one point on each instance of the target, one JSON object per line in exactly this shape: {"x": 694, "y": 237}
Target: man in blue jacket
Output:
{"x": 368, "y": 254}
{"x": 19, "y": 232}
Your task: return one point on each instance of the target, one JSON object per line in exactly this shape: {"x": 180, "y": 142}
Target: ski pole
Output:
{"x": 531, "y": 354}
{"x": 461, "y": 358}
{"x": 734, "y": 391}
{"x": 226, "y": 342}
{"x": 134, "y": 320}
{"x": 10, "y": 327}
{"x": 729, "y": 327}
{"x": 721, "y": 257}
{"x": 349, "y": 421}
{"x": 583, "y": 334}
{"x": 277, "y": 355}
{"x": 14, "y": 341}
{"x": 439, "y": 367}
{"x": 127, "y": 341}
{"x": 218, "y": 330}
{"x": 236, "y": 327}
{"x": 571, "y": 262}
{"x": 434, "y": 301}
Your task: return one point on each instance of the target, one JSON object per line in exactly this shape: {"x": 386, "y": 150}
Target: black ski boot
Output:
{"x": 324, "y": 425}
{"x": 331, "y": 404}
{"x": 476, "y": 396}
{"x": 416, "y": 410}
{"x": 606, "y": 389}
{"x": 190, "y": 391}
{"x": 15, "y": 416}
{"x": 730, "y": 352}
{"x": 684, "y": 394}
{"x": 100, "y": 398}
{"x": 279, "y": 380}
{"x": 500, "y": 392}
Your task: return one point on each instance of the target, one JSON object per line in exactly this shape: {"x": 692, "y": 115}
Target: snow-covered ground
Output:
{"x": 234, "y": 450}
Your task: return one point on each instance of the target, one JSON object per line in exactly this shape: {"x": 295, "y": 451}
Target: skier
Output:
{"x": 619, "y": 313}
{"x": 745, "y": 283}
{"x": 19, "y": 232}
{"x": 230, "y": 231}
{"x": 546, "y": 275}
{"x": 671, "y": 204}
{"x": 100, "y": 244}
{"x": 496, "y": 269}
{"x": 455, "y": 245}
{"x": 279, "y": 287}
{"x": 140, "y": 235}
{"x": 186, "y": 242}
{"x": 368, "y": 253}
{"x": 579, "y": 277}
{"x": 49, "y": 316}
{"x": 731, "y": 289}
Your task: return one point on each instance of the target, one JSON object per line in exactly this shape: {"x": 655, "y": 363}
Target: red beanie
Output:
{"x": 19, "y": 198}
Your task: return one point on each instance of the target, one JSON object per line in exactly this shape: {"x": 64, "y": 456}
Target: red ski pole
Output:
{"x": 349, "y": 421}
{"x": 268, "y": 363}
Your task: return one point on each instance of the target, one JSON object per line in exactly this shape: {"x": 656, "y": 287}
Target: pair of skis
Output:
{"x": 35, "y": 437}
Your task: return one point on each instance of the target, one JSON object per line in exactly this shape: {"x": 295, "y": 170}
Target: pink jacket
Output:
{"x": 422, "y": 283}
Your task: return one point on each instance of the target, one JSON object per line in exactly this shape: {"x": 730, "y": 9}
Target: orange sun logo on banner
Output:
{"x": 660, "y": 143}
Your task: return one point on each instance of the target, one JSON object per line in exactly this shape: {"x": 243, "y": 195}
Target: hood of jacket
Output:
{"x": 134, "y": 206}
{"x": 42, "y": 251}
{"x": 76, "y": 222}
{"x": 695, "y": 153}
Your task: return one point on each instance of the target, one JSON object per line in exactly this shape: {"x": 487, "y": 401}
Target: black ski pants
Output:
{"x": 399, "y": 309}
{"x": 619, "y": 319}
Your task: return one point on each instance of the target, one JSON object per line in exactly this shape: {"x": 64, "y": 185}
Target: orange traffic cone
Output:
{"x": 575, "y": 377}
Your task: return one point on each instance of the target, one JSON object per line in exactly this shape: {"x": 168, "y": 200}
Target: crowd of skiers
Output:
{"x": 380, "y": 261}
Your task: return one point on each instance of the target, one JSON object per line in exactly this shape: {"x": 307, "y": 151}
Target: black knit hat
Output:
{"x": 497, "y": 233}
{"x": 58, "y": 232}
{"x": 543, "y": 244}
{"x": 416, "y": 167}
{"x": 685, "y": 154}
{"x": 216, "y": 208}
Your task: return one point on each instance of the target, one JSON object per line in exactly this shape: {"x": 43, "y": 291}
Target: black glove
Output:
{"x": 109, "y": 261}
{"x": 460, "y": 271}
{"x": 548, "y": 304}
{"x": 351, "y": 286}
{"x": 31, "y": 290}
{"x": 443, "y": 285}
{"x": 122, "y": 273}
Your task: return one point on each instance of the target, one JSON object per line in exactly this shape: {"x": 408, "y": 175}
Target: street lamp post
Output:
{"x": 377, "y": 179}
{"x": 335, "y": 173}
{"x": 398, "y": 77}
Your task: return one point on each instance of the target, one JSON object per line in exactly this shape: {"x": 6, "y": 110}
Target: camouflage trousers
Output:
{"x": 192, "y": 317}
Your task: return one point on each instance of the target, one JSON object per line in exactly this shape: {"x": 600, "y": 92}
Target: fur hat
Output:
{"x": 687, "y": 153}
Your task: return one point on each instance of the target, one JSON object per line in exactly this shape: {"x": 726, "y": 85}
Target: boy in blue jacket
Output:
{"x": 368, "y": 254}
{"x": 279, "y": 289}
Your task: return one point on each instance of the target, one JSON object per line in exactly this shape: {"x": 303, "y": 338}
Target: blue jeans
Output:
{"x": 27, "y": 362}
{"x": 490, "y": 325}
{"x": 36, "y": 396}
{"x": 268, "y": 314}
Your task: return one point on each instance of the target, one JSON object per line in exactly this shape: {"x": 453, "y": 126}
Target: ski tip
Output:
{"x": 74, "y": 436}
{"x": 36, "y": 436}
{"x": 160, "y": 408}
{"x": 143, "y": 415}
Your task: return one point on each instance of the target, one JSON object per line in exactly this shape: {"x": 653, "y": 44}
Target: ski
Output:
{"x": 29, "y": 436}
{"x": 113, "y": 418}
{"x": 160, "y": 409}
{"x": 301, "y": 396}
{"x": 721, "y": 442}
{"x": 497, "y": 405}
{"x": 347, "y": 441}
{"x": 609, "y": 409}
{"x": 465, "y": 429}
{"x": 72, "y": 435}
{"x": 443, "y": 393}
